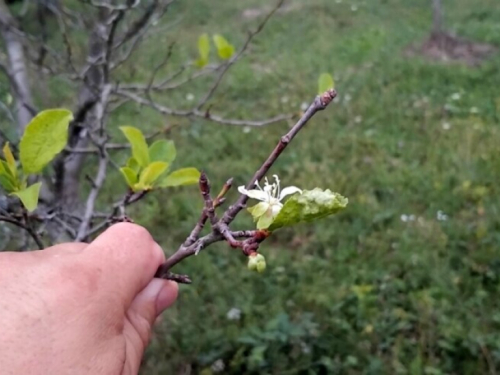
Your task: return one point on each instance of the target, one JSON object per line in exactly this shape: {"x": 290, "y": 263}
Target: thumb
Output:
{"x": 157, "y": 296}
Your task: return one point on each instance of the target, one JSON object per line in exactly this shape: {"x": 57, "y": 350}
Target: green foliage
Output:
{"x": 149, "y": 173}
{"x": 224, "y": 49}
{"x": 162, "y": 150}
{"x": 325, "y": 83}
{"x": 9, "y": 158}
{"x": 130, "y": 175}
{"x": 183, "y": 176}
{"x": 203, "y": 50}
{"x": 309, "y": 206}
{"x": 136, "y": 139}
{"x": 29, "y": 196}
{"x": 44, "y": 137}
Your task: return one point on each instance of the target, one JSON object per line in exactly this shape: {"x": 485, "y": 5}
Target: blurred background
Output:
{"x": 406, "y": 279}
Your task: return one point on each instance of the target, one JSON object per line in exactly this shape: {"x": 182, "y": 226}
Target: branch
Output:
{"x": 235, "y": 58}
{"x": 220, "y": 228}
{"x": 24, "y": 226}
{"x": 197, "y": 113}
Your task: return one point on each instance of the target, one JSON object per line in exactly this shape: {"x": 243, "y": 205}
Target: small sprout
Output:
{"x": 256, "y": 262}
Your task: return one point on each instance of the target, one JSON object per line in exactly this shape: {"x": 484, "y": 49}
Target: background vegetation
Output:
{"x": 406, "y": 279}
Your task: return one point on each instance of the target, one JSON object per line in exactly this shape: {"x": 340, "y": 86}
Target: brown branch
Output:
{"x": 24, "y": 226}
{"x": 220, "y": 228}
{"x": 197, "y": 113}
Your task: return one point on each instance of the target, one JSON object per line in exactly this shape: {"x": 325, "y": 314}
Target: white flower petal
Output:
{"x": 255, "y": 194}
{"x": 276, "y": 208}
{"x": 289, "y": 190}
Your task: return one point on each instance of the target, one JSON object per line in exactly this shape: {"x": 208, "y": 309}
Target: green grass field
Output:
{"x": 406, "y": 279}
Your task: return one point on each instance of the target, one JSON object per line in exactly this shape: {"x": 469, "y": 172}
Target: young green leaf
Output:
{"x": 224, "y": 49}
{"x": 7, "y": 182}
{"x": 309, "y": 206}
{"x": 162, "y": 150}
{"x": 7, "y": 179}
{"x": 45, "y": 136}
{"x": 184, "y": 176}
{"x": 138, "y": 143}
{"x": 29, "y": 196}
{"x": 133, "y": 164}
{"x": 325, "y": 83}
{"x": 203, "y": 50}
{"x": 9, "y": 158}
{"x": 130, "y": 176}
{"x": 151, "y": 173}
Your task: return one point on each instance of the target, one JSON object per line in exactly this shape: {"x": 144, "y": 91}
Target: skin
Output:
{"x": 81, "y": 308}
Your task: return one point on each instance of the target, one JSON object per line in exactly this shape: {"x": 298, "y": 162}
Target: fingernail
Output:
{"x": 166, "y": 296}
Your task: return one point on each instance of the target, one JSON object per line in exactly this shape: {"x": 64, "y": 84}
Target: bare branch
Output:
{"x": 235, "y": 58}
{"x": 25, "y": 226}
{"x": 220, "y": 228}
{"x": 197, "y": 113}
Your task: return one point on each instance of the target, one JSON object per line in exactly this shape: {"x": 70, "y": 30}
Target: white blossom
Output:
{"x": 270, "y": 196}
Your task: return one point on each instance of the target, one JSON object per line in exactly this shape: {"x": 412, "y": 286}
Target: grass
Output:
{"x": 385, "y": 287}
{"x": 371, "y": 291}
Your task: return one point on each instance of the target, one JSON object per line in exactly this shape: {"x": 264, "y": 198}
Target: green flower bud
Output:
{"x": 256, "y": 262}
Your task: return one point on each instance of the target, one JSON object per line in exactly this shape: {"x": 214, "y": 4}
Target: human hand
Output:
{"x": 81, "y": 308}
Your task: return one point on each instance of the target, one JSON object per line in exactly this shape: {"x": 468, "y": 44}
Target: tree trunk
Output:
{"x": 16, "y": 71}
{"x": 437, "y": 17}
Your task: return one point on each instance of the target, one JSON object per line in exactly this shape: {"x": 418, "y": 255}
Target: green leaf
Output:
{"x": 325, "y": 83}
{"x": 184, "y": 176}
{"x": 7, "y": 180}
{"x": 309, "y": 206}
{"x": 29, "y": 196}
{"x": 203, "y": 50}
{"x": 130, "y": 176}
{"x": 9, "y": 158}
{"x": 150, "y": 174}
{"x": 45, "y": 136}
{"x": 162, "y": 150}
{"x": 7, "y": 183}
{"x": 133, "y": 164}
{"x": 224, "y": 48}
{"x": 138, "y": 143}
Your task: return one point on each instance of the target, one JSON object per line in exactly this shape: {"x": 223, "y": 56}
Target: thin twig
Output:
{"x": 220, "y": 228}
{"x": 24, "y": 226}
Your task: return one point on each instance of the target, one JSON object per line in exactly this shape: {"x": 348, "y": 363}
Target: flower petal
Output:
{"x": 258, "y": 210}
{"x": 289, "y": 190}
{"x": 275, "y": 209}
{"x": 255, "y": 194}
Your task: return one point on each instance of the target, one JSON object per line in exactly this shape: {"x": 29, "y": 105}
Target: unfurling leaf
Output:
{"x": 45, "y": 136}
{"x": 150, "y": 174}
{"x": 162, "y": 150}
{"x": 183, "y": 176}
{"x": 130, "y": 176}
{"x": 224, "y": 49}
{"x": 325, "y": 83}
{"x": 203, "y": 50}
{"x": 138, "y": 142}
{"x": 7, "y": 180}
{"x": 309, "y": 206}
{"x": 9, "y": 158}
{"x": 29, "y": 196}
{"x": 133, "y": 164}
